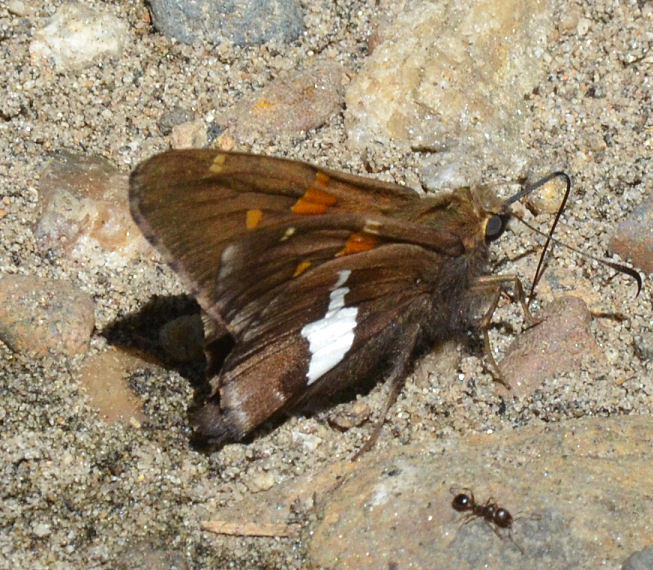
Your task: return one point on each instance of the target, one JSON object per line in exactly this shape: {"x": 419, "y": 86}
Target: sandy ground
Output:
{"x": 78, "y": 492}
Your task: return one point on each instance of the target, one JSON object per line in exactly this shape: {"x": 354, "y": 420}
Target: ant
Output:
{"x": 494, "y": 515}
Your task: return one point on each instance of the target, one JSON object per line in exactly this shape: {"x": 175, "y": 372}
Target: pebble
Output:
{"x": 352, "y": 415}
{"x": 183, "y": 338}
{"x": 84, "y": 212}
{"x": 243, "y": 22}
{"x": 633, "y": 238}
{"x": 192, "y": 134}
{"x": 19, "y": 8}
{"x": 294, "y": 102}
{"x": 451, "y": 79}
{"x": 260, "y": 482}
{"x": 554, "y": 346}
{"x": 42, "y": 316}
{"x": 547, "y": 198}
{"x": 76, "y": 37}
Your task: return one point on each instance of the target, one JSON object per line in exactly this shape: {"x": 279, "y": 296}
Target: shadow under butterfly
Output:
{"x": 323, "y": 279}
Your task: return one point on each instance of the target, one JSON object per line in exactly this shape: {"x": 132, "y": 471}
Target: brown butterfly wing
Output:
{"x": 237, "y": 226}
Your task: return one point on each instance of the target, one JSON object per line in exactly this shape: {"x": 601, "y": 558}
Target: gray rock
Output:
{"x": 243, "y": 22}
{"x": 642, "y": 560}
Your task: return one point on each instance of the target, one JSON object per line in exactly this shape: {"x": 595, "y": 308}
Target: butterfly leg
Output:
{"x": 497, "y": 284}
{"x": 396, "y": 379}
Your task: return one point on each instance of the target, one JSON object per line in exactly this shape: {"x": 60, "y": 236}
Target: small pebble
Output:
{"x": 183, "y": 338}
{"x": 84, "y": 211}
{"x": 353, "y": 415}
{"x": 633, "y": 238}
{"x": 552, "y": 347}
{"x": 76, "y": 37}
{"x": 547, "y": 198}
{"x": 189, "y": 135}
{"x": 42, "y": 316}
{"x": 292, "y": 103}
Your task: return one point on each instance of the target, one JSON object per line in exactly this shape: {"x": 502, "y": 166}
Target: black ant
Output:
{"x": 494, "y": 515}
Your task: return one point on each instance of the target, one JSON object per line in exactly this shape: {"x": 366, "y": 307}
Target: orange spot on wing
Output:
{"x": 253, "y": 217}
{"x": 321, "y": 179}
{"x": 357, "y": 243}
{"x": 301, "y": 267}
{"x": 315, "y": 200}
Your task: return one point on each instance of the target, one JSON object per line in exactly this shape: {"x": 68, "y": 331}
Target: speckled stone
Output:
{"x": 243, "y": 22}
{"x": 450, "y": 78}
{"x": 554, "y": 346}
{"x": 633, "y": 238}
{"x": 83, "y": 211}
{"x": 42, "y": 316}
{"x": 294, "y": 102}
{"x": 569, "y": 487}
{"x": 77, "y": 36}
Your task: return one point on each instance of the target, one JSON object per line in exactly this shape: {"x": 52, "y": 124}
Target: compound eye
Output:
{"x": 494, "y": 227}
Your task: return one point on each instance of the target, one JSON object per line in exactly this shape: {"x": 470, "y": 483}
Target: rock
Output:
{"x": 547, "y": 198}
{"x": 183, "y": 338}
{"x": 552, "y": 347}
{"x": 451, "y": 78}
{"x": 351, "y": 415}
{"x": 41, "y": 316}
{"x": 568, "y": 487}
{"x": 633, "y": 238}
{"x": 260, "y": 481}
{"x": 243, "y": 22}
{"x": 76, "y": 37}
{"x": 641, "y": 560}
{"x": 84, "y": 212}
{"x": 173, "y": 117}
{"x": 189, "y": 135}
{"x": 294, "y": 102}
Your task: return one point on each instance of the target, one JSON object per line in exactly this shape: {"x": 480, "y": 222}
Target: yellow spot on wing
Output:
{"x": 253, "y": 218}
{"x": 301, "y": 267}
{"x": 218, "y": 163}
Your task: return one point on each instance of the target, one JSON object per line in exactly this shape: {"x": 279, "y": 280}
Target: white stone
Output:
{"x": 76, "y": 37}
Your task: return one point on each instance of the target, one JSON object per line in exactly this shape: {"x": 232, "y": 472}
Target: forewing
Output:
{"x": 238, "y": 226}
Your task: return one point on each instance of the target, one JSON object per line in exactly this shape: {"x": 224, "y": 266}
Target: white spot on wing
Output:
{"x": 331, "y": 336}
{"x": 227, "y": 260}
{"x": 288, "y": 234}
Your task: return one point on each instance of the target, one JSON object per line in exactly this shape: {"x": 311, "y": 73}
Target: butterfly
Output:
{"x": 324, "y": 280}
